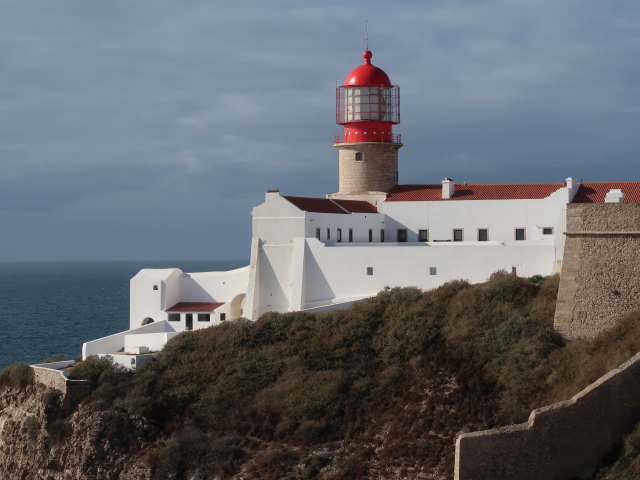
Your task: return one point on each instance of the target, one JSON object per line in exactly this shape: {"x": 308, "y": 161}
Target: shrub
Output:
{"x": 192, "y": 454}
{"x": 101, "y": 372}
{"x": 17, "y": 375}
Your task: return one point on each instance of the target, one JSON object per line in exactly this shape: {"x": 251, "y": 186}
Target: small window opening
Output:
{"x": 520, "y": 234}
{"x": 547, "y": 231}
{"x": 155, "y": 287}
{"x": 402, "y": 235}
{"x": 328, "y": 234}
{"x": 351, "y": 235}
{"x": 370, "y": 235}
{"x": 382, "y": 236}
{"x": 369, "y": 270}
{"x": 223, "y": 317}
{"x": 433, "y": 271}
{"x": 204, "y": 317}
{"x": 318, "y": 233}
{"x": 457, "y": 235}
{"x": 174, "y": 317}
{"x": 339, "y": 235}
{"x": 359, "y": 156}
{"x": 483, "y": 234}
{"x": 423, "y": 235}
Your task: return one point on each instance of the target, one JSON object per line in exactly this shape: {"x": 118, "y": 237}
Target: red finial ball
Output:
{"x": 367, "y": 56}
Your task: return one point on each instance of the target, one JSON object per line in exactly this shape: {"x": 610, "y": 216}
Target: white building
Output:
{"x": 315, "y": 254}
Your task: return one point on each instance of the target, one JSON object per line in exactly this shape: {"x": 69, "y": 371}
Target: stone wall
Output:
{"x": 561, "y": 441}
{"x": 600, "y": 277}
{"x": 73, "y": 391}
{"x": 376, "y": 172}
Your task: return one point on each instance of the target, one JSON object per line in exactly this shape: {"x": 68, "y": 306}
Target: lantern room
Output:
{"x": 367, "y": 105}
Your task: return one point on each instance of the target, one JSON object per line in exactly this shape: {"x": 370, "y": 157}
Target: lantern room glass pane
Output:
{"x": 368, "y": 103}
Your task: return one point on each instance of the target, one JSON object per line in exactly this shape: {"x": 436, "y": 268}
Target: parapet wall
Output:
{"x": 560, "y": 441}
{"x": 49, "y": 375}
{"x": 600, "y": 277}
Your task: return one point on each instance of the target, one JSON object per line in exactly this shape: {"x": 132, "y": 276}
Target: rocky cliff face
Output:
{"x": 39, "y": 440}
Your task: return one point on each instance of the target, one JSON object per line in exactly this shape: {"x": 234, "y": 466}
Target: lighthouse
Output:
{"x": 367, "y": 106}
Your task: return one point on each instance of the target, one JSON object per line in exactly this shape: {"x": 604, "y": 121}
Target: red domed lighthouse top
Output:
{"x": 367, "y": 105}
{"x": 367, "y": 74}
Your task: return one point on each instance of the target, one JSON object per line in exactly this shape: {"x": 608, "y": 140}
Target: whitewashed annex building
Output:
{"x": 314, "y": 254}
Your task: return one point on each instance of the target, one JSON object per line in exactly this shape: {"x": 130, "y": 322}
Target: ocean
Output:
{"x": 51, "y": 308}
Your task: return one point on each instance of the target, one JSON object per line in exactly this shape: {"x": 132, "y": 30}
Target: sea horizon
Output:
{"x": 51, "y": 307}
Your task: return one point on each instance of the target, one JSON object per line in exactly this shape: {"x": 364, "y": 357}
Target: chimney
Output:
{"x": 271, "y": 194}
{"x": 615, "y": 195}
{"x": 448, "y": 188}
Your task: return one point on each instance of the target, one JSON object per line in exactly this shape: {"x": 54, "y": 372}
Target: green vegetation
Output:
{"x": 387, "y": 384}
{"x": 16, "y": 375}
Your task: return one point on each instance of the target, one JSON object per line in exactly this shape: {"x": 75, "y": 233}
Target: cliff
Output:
{"x": 377, "y": 391}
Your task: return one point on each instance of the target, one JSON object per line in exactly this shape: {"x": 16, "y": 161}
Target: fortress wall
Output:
{"x": 72, "y": 390}
{"x": 560, "y": 441}
{"x": 600, "y": 277}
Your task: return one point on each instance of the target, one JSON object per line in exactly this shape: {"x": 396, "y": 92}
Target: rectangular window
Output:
{"x": 351, "y": 234}
{"x": 433, "y": 271}
{"x": 423, "y": 235}
{"x": 369, "y": 270}
{"x": 457, "y": 235}
{"x": 382, "y": 236}
{"x": 547, "y": 231}
{"x": 483, "y": 234}
{"x": 359, "y": 156}
{"x": 204, "y": 317}
{"x": 328, "y": 234}
{"x": 223, "y": 317}
{"x": 370, "y": 235}
{"x": 402, "y": 235}
{"x": 318, "y": 233}
{"x": 174, "y": 317}
{"x": 155, "y": 287}
{"x": 520, "y": 234}
{"x": 339, "y": 235}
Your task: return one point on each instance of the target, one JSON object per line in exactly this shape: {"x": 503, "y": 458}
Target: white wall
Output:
{"x": 340, "y": 271}
{"x": 155, "y": 341}
{"x": 500, "y": 217}
{"x": 359, "y": 222}
{"x": 151, "y": 292}
{"x": 113, "y": 343}
{"x": 213, "y": 286}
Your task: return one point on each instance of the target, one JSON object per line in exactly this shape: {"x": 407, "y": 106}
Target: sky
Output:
{"x": 148, "y": 129}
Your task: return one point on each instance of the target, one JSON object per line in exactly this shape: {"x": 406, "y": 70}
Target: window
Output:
{"x": 223, "y": 317}
{"x": 382, "y": 236}
{"x": 483, "y": 234}
{"x": 457, "y": 235}
{"x": 402, "y": 235}
{"x": 351, "y": 234}
{"x": 328, "y": 234}
{"x": 155, "y": 287}
{"x": 369, "y": 270}
{"x": 433, "y": 271}
{"x": 359, "y": 156}
{"x": 371, "y": 235}
{"x": 520, "y": 234}
{"x": 318, "y": 233}
{"x": 174, "y": 317}
{"x": 339, "y": 235}
{"x": 396, "y": 176}
{"x": 547, "y": 231}
{"x": 204, "y": 317}
{"x": 423, "y": 235}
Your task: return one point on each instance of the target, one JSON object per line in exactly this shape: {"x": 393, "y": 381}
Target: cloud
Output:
{"x": 166, "y": 103}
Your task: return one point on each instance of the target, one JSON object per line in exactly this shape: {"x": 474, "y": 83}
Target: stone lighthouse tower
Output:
{"x": 367, "y": 106}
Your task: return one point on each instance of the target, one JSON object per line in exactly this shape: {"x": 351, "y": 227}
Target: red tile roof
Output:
{"x": 594, "y": 192}
{"x": 356, "y": 206}
{"x": 195, "y": 307}
{"x": 494, "y": 191}
{"x": 326, "y": 205}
